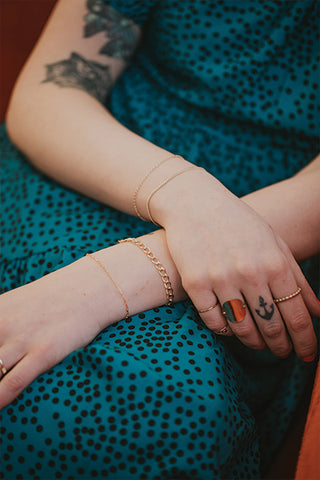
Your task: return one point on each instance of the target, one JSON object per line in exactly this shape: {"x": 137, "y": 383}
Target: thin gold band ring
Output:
{"x": 288, "y": 297}
{"x": 208, "y": 309}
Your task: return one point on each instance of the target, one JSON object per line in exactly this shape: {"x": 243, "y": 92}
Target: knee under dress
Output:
{"x": 232, "y": 86}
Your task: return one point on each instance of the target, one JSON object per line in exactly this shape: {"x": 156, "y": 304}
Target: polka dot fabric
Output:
{"x": 159, "y": 396}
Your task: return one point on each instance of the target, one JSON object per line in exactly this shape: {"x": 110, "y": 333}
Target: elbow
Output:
{"x": 19, "y": 117}
{"x": 12, "y": 117}
{"x": 9, "y": 120}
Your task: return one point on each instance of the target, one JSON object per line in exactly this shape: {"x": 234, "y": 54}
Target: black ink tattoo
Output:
{"x": 87, "y": 75}
{"x": 265, "y": 314}
{"x": 77, "y": 72}
{"x": 122, "y": 36}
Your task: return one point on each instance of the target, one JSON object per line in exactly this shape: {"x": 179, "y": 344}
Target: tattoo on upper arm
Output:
{"x": 120, "y": 30}
{"x": 91, "y": 76}
{"x": 77, "y": 72}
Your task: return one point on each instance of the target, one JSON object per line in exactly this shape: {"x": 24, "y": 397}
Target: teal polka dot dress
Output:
{"x": 232, "y": 86}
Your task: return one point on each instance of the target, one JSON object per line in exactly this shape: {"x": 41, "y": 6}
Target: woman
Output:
{"x": 171, "y": 392}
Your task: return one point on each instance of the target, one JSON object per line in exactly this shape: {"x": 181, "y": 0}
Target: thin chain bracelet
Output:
{"x": 114, "y": 283}
{"x": 135, "y": 195}
{"x": 157, "y": 264}
{"x": 162, "y": 185}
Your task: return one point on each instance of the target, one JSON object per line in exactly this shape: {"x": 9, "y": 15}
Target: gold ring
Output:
{"x": 2, "y": 368}
{"x": 223, "y": 331}
{"x": 288, "y": 297}
{"x": 208, "y": 309}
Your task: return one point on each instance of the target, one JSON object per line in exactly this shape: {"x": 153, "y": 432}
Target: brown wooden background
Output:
{"x": 21, "y": 22}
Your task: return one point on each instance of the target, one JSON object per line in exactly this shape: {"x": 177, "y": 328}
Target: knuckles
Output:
{"x": 240, "y": 271}
{"x": 276, "y": 267}
{"x": 194, "y": 282}
{"x": 273, "y": 330}
{"x": 248, "y": 271}
{"x": 299, "y": 322}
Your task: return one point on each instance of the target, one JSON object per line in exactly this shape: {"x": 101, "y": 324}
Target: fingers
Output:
{"x": 261, "y": 322}
{"x": 311, "y": 301}
{"x": 19, "y": 376}
{"x": 269, "y": 321}
{"x": 208, "y": 308}
{"x": 237, "y": 314}
{"x": 9, "y": 356}
{"x": 293, "y": 310}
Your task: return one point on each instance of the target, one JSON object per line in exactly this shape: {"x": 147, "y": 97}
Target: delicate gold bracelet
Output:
{"x": 159, "y": 187}
{"x": 114, "y": 283}
{"x": 135, "y": 195}
{"x": 159, "y": 267}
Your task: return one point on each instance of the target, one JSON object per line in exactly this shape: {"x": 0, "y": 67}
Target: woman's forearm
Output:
{"x": 72, "y": 138}
{"x": 135, "y": 275}
{"x": 292, "y": 208}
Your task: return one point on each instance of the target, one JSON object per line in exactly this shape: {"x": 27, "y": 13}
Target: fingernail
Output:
{"x": 309, "y": 358}
{"x": 234, "y": 310}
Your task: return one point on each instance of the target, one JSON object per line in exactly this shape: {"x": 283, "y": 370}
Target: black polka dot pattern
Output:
{"x": 229, "y": 85}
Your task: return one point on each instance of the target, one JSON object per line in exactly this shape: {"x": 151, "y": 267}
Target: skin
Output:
{"x": 56, "y": 89}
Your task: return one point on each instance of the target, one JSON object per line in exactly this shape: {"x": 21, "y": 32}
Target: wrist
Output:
{"x": 177, "y": 197}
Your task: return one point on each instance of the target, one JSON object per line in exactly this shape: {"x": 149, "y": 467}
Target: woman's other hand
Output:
{"x": 228, "y": 256}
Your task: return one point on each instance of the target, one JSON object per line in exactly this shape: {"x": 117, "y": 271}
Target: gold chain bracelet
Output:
{"x": 157, "y": 264}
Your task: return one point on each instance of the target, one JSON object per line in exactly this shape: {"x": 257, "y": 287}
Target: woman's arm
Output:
{"x": 56, "y": 116}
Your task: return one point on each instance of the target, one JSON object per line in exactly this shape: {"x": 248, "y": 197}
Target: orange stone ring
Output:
{"x": 234, "y": 310}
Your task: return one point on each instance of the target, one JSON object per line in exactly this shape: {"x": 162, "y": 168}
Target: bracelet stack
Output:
{"x": 162, "y": 184}
{"x": 135, "y": 195}
{"x": 157, "y": 264}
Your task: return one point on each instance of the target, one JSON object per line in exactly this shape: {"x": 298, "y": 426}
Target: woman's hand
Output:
{"x": 225, "y": 251}
{"x": 43, "y": 321}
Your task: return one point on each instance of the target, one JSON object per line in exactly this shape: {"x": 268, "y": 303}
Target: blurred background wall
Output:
{"x": 21, "y": 22}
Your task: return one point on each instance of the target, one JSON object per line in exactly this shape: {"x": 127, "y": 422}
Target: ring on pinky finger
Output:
{"x": 225, "y": 331}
